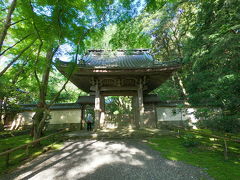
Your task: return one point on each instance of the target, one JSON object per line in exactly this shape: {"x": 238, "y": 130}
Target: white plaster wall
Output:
{"x": 23, "y": 118}
{"x": 65, "y": 116}
{"x": 176, "y": 114}
{"x": 58, "y": 117}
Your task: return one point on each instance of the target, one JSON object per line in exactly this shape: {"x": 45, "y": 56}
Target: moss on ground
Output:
{"x": 208, "y": 155}
{"x": 19, "y": 157}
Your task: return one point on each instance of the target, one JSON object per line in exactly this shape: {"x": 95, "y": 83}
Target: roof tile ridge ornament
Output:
{"x": 148, "y": 56}
{"x": 176, "y": 62}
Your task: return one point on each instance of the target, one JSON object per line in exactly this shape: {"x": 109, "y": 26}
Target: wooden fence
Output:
{"x": 28, "y": 145}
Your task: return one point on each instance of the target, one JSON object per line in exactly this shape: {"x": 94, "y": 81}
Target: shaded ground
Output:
{"x": 6, "y": 134}
{"x": 103, "y": 160}
{"x": 121, "y": 133}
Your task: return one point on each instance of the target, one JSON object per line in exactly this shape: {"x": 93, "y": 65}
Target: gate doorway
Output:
{"x": 118, "y": 112}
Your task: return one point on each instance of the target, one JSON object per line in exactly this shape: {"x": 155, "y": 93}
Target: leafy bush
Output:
{"x": 189, "y": 140}
{"x": 219, "y": 121}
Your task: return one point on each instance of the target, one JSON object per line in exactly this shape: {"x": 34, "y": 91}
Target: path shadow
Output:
{"x": 107, "y": 159}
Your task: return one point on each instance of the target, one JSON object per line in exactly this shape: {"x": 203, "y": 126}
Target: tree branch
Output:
{"x": 36, "y": 63}
{"x": 45, "y": 76}
{"x": 39, "y": 50}
{"x": 7, "y": 23}
{"x": 14, "y": 44}
{"x": 76, "y": 57}
{"x": 17, "y": 22}
{"x": 4, "y": 9}
{"x": 16, "y": 58}
{"x": 63, "y": 87}
{"x": 20, "y": 71}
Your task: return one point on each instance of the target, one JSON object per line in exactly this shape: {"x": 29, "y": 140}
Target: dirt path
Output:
{"x": 105, "y": 160}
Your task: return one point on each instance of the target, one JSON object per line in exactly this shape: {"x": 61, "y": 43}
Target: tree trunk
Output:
{"x": 1, "y": 114}
{"x": 42, "y": 113}
{"x": 179, "y": 81}
{"x": 7, "y": 23}
{"x": 3, "y": 111}
{"x": 38, "y": 122}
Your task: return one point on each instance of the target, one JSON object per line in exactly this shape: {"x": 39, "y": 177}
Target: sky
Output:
{"x": 3, "y": 61}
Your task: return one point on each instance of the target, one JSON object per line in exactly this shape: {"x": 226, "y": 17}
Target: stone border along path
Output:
{"x": 105, "y": 160}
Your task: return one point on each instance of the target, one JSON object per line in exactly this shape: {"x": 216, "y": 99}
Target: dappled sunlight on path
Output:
{"x": 101, "y": 159}
{"x": 121, "y": 133}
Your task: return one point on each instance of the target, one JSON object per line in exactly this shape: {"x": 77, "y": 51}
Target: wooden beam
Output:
{"x": 118, "y": 93}
{"x": 154, "y": 77}
{"x": 118, "y": 88}
{"x": 135, "y": 88}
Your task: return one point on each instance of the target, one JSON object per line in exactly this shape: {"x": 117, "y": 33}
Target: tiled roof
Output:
{"x": 123, "y": 61}
{"x": 30, "y": 107}
{"x": 119, "y": 59}
{"x": 119, "y": 63}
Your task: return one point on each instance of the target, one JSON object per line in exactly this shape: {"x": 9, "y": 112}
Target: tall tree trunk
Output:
{"x": 7, "y": 24}
{"x": 38, "y": 122}
{"x": 4, "y": 111}
{"x": 1, "y": 116}
{"x": 184, "y": 93}
{"x": 42, "y": 112}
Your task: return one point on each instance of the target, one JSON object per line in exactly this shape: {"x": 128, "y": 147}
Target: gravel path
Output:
{"x": 105, "y": 160}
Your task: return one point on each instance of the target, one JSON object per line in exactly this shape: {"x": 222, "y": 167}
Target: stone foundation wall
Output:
{"x": 171, "y": 124}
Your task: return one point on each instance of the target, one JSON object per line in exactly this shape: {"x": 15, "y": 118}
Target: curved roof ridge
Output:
{"x": 124, "y": 59}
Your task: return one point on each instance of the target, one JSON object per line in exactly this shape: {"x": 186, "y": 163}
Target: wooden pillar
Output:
{"x": 133, "y": 112}
{"x": 140, "y": 104}
{"x": 156, "y": 117}
{"x": 135, "y": 122}
{"x": 97, "y": 108}
{"x": 82, "y": 120}
{"x": 102, "y": 107}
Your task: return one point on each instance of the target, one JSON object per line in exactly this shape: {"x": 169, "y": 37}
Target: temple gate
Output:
{"x": 118, "y": 73}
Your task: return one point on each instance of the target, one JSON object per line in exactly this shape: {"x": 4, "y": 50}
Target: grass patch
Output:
{"x": 6, "y": 134}
{"x": 18, "y": 157}
{"x": 208, "y": 155}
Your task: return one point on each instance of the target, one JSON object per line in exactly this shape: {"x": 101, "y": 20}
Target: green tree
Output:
{"x": 52, "y": 24}
{"x": 213, "y": 53}
{"x": 205, "y": 35}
